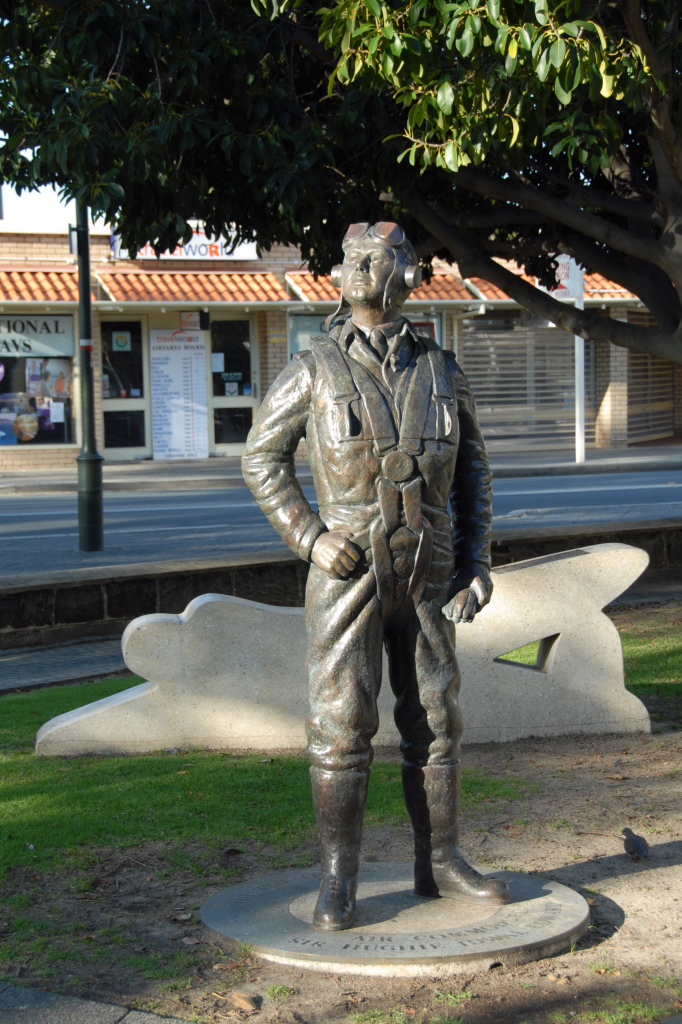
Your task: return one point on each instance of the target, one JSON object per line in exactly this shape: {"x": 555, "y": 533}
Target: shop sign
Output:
{"x": 36, "y": 334}
{"x": 569, "y": 275}
{"x": 201, "y": 247}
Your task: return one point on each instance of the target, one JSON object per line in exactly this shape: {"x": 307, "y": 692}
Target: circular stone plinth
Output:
{"x": 398, "y": 934}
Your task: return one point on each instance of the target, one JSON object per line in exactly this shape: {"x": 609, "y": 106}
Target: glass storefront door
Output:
{"x": 234, "y": 390}
{"x": 125, "y": 390}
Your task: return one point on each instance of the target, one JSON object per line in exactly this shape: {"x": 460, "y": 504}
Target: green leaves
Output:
{"x": 450, "y": 156}
{"x": 445, "y": 97}
{"x": 465, "y": 43}
{"x": 543, "y": 66}
{"x": 557, "y": 52}
{"x": 164, "y": 111}
{"x": 541, "y": 12}
{"x": 563, "y": 95}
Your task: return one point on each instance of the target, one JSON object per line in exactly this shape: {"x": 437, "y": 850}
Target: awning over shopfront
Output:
{"x": 39, "y": 286}
{"x": 50, "y": 285}
{"x": 191, "y": 288}
{"x": 446, "y": 286}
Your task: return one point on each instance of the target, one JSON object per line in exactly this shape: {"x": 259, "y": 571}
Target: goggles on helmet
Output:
{"x": 385, "y": 231}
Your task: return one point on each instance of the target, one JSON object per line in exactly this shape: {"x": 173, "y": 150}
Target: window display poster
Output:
{"x": 48, "y": 378}
{"x": 7, "y": 435}
{"x": 121, "y": 341}
{"x": 179, "y": 399}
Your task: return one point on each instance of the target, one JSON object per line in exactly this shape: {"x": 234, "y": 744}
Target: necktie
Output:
{"x": 377, "y": 340}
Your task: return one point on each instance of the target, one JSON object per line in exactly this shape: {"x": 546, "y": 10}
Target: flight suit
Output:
{"x": 391, "y": 442}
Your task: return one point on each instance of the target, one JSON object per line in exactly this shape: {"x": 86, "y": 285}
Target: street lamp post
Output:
{"x": 89, "y": 462}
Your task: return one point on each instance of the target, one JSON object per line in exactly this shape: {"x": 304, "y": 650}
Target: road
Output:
{"x": 39, "y": 533}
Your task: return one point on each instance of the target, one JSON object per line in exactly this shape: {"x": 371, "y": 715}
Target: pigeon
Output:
{"x": 635, "y": 846}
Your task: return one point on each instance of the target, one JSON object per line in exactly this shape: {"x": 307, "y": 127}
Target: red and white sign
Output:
{"x": 570, "y": 278}
{"x": 201, "y": 247}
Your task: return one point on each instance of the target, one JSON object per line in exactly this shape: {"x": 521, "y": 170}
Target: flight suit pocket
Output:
{"x": 441, "y": 421}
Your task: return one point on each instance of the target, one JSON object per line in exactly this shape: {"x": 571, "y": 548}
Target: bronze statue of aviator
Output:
{"x": 392, "y": 436}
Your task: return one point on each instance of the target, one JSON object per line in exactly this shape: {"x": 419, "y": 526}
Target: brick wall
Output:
{"x": 611, "y": 423}
{"x": 31, "y": 250}
{"x": 677, "y": 398}
{"x": 272, "y": 329}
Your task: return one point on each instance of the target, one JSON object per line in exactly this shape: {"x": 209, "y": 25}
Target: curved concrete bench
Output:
{"x": 230, "y": 673}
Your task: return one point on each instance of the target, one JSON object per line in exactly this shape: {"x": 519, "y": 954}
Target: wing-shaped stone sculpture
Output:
{"x": 231, "y": 673}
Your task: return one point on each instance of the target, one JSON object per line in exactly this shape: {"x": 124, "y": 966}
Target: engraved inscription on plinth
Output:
{"x": 397, "y": 933}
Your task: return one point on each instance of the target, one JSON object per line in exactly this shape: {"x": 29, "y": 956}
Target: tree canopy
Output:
{"x": 499, "y": 133}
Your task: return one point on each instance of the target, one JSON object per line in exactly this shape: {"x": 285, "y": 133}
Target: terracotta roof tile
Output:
{"x": 488, "y": 291}
{"x": 137, "y": 286}
{"x": 599, "y": 287}
{"x": 596, "y": 287}
{"x": 38, "y": 286}
{"x": 442, "y": 286}
{"x": 306, "y": 287}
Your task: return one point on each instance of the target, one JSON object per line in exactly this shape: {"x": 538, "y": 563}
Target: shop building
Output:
{"x": 185, "y": 347}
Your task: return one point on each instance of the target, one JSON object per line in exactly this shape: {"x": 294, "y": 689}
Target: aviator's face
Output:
{"x": 367, "y": 266}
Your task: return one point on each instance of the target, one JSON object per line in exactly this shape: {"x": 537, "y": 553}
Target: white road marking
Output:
{"x": 586, "y": 490}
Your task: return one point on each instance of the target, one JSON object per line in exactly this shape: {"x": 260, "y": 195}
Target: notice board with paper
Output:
{"x": 179, "y": 401}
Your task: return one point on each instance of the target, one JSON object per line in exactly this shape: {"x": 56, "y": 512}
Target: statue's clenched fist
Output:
{"x": 466, "y": 603}
{"x": 336, "y": 554}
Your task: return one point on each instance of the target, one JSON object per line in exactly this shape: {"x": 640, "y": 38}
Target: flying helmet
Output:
{"x": 406, "y": 272}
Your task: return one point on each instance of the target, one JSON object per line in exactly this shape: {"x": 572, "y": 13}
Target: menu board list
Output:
{"x": 179, "y": 410}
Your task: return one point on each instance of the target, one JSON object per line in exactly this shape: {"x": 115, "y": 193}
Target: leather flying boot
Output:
{"x": 339, "y": 800}
{"x": 432, "y": 795}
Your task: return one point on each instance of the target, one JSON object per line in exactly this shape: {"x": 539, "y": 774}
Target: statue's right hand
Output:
{"x": 336, "y": 554}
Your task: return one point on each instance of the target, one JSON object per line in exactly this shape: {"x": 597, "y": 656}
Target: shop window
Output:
{"x": 36, "y": 400}
{"x": 231, "y": 358}
{"x": 230, "y": 426}
{"x": 122, "y": 359}
{"x": 124, "y": 429}
{"x": 303, "y": 327}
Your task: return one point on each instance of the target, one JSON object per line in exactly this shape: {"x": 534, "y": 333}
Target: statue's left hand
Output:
{"x": 466, "y": 603}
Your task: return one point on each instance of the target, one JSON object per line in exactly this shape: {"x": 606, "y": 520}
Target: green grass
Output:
{"x": 526, "y": 655}
{"x": 451, "y": 998}
{"x": 61, "y": 805}
{"x": 652, "y": 649}
{"x": 652, "y": 652}
{"x": 277, "y": 992}
{"x": 622, "y": 1013}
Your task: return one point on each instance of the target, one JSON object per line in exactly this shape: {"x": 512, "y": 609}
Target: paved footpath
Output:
{"x": 33, "y": 1006}
{"x": 221, "y": 473}
{"x": 67, "y": 663}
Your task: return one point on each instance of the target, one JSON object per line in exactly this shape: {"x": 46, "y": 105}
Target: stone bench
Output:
{"x": 230, "y": 673}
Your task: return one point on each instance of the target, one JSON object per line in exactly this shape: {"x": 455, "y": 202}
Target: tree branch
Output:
{"x": 559, "y": 210}
{"x": 587, "y": 196}
{"x": 493, "y": 218}
{"x": 643, "y": 279}
{"x": 300, "y": 37}
{"x": 591, "y": 326}
{"x": 661, "y": 115}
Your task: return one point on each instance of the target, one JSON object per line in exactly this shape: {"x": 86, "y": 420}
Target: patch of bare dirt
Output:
{"x": 125, "y": 928}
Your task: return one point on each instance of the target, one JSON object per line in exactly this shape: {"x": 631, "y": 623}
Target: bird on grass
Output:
{"x": 635, "y": 846}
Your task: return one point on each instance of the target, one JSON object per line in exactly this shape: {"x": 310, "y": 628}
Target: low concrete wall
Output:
{"x": 48, "y": 608}
{"x": 39, "y": 609}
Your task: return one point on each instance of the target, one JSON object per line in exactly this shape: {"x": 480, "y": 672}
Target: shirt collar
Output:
{"x": 351, "y": 330}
